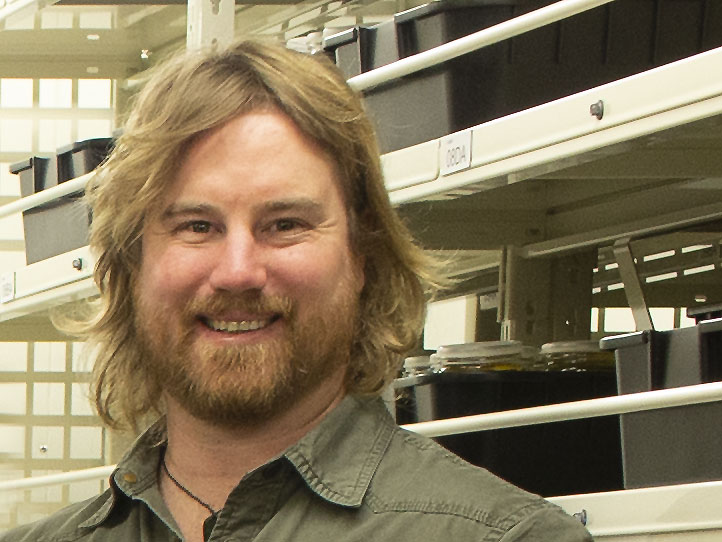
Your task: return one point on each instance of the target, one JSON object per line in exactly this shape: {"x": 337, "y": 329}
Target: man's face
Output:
{"x": 247, "y": 293}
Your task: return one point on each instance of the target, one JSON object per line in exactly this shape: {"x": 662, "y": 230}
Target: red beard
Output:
{"x": 246, "y": 384}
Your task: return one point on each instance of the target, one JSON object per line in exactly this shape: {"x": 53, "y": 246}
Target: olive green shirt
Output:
{"x": 356, "y": 477}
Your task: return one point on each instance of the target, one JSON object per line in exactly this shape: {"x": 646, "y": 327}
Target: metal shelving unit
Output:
{"x": 659, "y": 137}
{"x": 550, "y": 181}
{"x": 651, "y": 120}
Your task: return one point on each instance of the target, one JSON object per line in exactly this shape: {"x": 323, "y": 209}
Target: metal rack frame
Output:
{"x": 557, "y": 134}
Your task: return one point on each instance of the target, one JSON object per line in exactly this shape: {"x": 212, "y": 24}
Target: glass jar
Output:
{"x": 418, "y": 366}
{"x": 486, "y": 356}
{"x": 575, "y": 356}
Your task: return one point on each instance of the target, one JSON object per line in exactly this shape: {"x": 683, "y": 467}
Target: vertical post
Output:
{"x": 571, "y": 295}
{"x": 524, "y": 297}
{"x": 632, "y": 285}
{"x": 544, "y": 300}
{"x": 210, "y": 23}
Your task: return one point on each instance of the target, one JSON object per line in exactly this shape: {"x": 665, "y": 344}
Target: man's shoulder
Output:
{"x": 416, "y": 465}
{"x": 65, "y": 525}
{"x": 418, "y": 475}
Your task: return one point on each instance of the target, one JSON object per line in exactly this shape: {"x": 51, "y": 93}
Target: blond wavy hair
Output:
{"x": 189, "y": 95}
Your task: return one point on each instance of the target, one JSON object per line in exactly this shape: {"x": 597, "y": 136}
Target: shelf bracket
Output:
{"x": 632, "y": 284}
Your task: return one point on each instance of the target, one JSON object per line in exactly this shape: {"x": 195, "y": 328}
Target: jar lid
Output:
{"x": 480, "y": 350}
{"x": 484, "y": 350}
{"x": 570, "y": 347}
{"x": 417, "y": 362}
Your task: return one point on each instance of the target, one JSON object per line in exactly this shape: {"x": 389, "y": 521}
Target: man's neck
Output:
{"x": 211, "y": 459}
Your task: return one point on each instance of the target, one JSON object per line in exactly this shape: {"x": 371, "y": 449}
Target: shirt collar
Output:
{"x": 338, "y": 458}
{"x": 136, "y": 473}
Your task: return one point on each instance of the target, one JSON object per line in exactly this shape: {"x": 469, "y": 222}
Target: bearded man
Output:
{"x": 258, "y": 291}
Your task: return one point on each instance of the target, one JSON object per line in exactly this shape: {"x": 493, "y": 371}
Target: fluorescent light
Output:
{"x": 663, "y": 276}
{"x": 659, "y": 255}
{"x": 700, "y": 269}
{"x": 693, "y": 248}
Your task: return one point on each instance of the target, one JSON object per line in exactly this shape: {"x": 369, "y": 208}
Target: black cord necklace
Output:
{"x": 185, "y": 490}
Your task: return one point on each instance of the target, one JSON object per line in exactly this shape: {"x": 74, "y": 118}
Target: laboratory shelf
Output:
{"x": 31, "y": 293}
{"x": 686, "y": 512}
{"x": 556, "y": 177}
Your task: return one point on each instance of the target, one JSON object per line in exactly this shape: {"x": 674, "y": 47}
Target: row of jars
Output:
{"x": 513, "y": 356}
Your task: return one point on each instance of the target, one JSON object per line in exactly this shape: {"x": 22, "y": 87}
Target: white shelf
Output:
{"x": 40, "y": 286}
{"x": 556, "y": 134}
{"x": 688, "y": 512}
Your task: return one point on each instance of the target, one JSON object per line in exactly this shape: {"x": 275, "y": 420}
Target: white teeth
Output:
{"x": 235, "y": 327}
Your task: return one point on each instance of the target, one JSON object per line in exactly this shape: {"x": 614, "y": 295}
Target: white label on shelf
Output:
{"x": 7, "y": 287}
{"x": 455, "y": 152}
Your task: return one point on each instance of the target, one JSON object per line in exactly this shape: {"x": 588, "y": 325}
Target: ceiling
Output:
{"x": 152, "y": 28}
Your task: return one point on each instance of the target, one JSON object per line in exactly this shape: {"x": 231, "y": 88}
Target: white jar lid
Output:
{"x": 478, "y": 350}
{"x": 417, "y": 362}
{"x": 570, "y": 347}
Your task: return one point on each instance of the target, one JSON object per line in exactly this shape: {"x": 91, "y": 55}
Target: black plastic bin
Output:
{"x": 705, "y": 312}
{"x": 60, "y": 225}
{"x": 36, "y": 173}
{"x": 551, "y": 459}
{"x": 589, "y": 49}
{"x": 672, "y": 445}
{"x": 82, "y": 157}
{"x": 435, "y": 101}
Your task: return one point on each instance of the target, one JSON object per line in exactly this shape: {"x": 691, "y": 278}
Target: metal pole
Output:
{"x": 60, "y": 478}
{"x": 45, "y": 196}
{"x": 590, "y": 408}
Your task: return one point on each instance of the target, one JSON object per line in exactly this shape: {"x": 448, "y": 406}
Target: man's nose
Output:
{"x": 240, "y": 264}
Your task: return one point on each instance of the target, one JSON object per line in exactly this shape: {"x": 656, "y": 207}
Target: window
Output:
{"x": 16, "y": 93}
{"x": 94, "y": 93}
{"x": 55, "y": 93}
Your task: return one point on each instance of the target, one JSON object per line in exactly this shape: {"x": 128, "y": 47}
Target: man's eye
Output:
{"x": 195, "y": 226}
{"x": 286, "y": 224}
{"x": 200, "y": 227}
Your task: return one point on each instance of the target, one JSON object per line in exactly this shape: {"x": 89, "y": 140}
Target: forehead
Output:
{"x": 254, "y": 156}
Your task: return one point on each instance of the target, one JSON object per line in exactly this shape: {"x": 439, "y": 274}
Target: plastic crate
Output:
{"x": 672, "y": 445}
{"x": 435, "y": 101}
{"x": 82, "y": 157}
{"x": 705, "y": 312}
{"x": 589, "y": 49}
{"x": 36, "y": 174}
{"x": 560, "y": 458}
{"x": 60, "y": 225}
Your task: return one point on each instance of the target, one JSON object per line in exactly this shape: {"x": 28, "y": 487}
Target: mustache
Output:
{"x": 253, "y": 302}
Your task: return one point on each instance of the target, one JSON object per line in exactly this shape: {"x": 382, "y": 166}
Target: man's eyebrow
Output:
{"x": 300, "y": 204}
{"x": 181, "y": 209}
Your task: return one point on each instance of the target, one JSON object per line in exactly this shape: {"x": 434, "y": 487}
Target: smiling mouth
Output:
{"x": 242, "y": 326}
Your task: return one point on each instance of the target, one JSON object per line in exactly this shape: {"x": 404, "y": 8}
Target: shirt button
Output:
{"x": 130, "y": 477}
